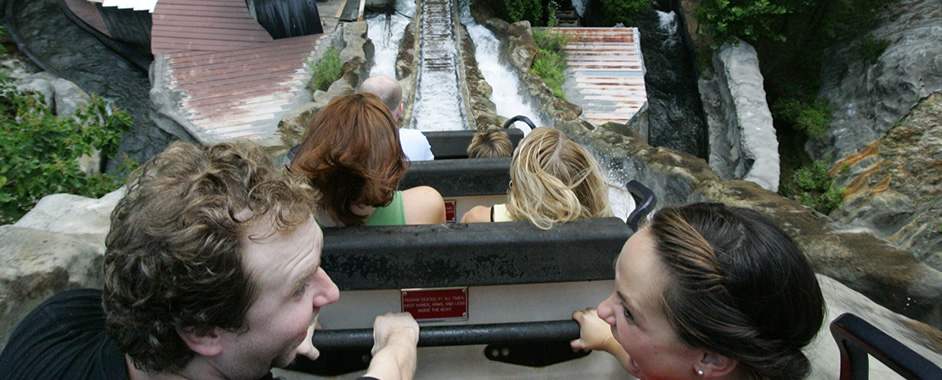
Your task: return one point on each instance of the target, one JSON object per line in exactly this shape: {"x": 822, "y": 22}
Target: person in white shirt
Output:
{"x": 414, "y": 144}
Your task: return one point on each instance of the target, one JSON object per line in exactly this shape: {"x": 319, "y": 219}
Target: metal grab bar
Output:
{"x": 457, "y": 335}
{"x": 645, "y": 201}
{"x": 517, "y": 118}
{"x": 856, "y": 338}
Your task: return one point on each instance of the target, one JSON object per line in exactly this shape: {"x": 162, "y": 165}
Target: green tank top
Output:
{"x": 392, "y": 214}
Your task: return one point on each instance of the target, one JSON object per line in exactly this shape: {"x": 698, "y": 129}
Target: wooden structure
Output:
{"x": 235, "y": 80}
{"x": 607, "y": 73}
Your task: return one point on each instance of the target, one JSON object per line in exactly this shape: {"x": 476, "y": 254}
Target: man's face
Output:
{"x": 291, "y": 287}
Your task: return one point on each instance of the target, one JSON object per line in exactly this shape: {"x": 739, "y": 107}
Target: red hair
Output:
{"x": 351, "y": 154}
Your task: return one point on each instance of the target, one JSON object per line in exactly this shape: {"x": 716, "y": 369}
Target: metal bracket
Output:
{"x": 533, "y": 354}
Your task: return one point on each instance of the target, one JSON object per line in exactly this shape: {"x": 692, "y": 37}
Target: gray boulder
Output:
{"x": 55, "y": 247}
{"x": 871, "y": 98}
{"x": 892, "y": 185}
{"x": 743, "y": 144}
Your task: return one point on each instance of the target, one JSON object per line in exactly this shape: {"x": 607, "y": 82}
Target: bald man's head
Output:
{"x": 387, "y": 89}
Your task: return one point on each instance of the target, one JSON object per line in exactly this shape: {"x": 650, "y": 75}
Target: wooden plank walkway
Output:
{"x": 605, "y": 74}
{"x": 236, "y": 81}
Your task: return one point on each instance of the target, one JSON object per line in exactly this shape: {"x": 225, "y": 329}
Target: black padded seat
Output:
{"x": 475, "y": 254}
{"x": 454, "y": 144}
{"x": 464, "y": 177}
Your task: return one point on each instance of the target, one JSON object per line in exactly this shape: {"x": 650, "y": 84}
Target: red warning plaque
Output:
{"x": 436, "y": 304}
{"x": 450, "y": 216}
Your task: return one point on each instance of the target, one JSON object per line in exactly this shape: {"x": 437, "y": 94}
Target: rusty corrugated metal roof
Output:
{"x": 236, "y": 81}
{"x": 606, "y": 73}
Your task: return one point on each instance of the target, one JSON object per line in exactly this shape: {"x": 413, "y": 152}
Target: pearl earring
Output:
{"x": 700, "y": 372}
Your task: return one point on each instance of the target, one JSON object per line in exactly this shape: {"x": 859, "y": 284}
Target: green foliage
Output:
{"x": 622, "y": 11}
{"x": 552, "y": 9}
{"x": 3, "y": 35}
{"x": 516, "y": 10}
{"x": 39, "y": 152}
{"x": 871, "y": 48}
{"x": 550, "y": 61}
{"x": 813, "y": 187}
{"x": 327, "y": 69}
{"x": 723, "y": 20}
{"x": 813, "y": 117}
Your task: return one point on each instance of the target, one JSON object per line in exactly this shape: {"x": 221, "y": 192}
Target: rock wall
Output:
{"x": 892, "y": 186}
{"x": 743, "y": 144}
{"x": 56, "y": 247}
{"x": 883, "y": 141}
{"x": 870, "y": 98}
{"x": 356, "y": 53}
{"x": 483, "y": 111}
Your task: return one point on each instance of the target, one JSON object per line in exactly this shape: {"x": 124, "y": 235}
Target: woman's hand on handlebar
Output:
{"x": 594, "y": 333}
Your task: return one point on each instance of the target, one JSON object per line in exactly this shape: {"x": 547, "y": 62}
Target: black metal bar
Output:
{"x": 645, "y": 201}
{"x": 457, "y": 335}
{"x": 517, "y": 118}
{"x": 856, "y": 338}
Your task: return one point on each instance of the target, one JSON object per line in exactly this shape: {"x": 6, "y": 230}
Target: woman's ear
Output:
{"x": 714, "y": 365}
{"x": 203, "y": 341}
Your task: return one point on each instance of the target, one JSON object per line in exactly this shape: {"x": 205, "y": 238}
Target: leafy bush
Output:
{"x": 550, "y": 61}
{"x": 622, "y": 11}
{"x": 813, "y": 187}
{"x": 723, "y": 20}
{"x": 516, "y": 10}
{"x": 813, "y": 118}
{"x": 327, "y": 69}
{"x": 39, "y": 152}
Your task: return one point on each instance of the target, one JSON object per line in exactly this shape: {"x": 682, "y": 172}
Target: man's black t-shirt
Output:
{"x": 63, "y": 338}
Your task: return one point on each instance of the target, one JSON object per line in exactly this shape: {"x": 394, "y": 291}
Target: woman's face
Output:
{"x": 637, "y": 318}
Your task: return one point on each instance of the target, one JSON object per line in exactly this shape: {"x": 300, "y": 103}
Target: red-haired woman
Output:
{"x": 351, "y": 154}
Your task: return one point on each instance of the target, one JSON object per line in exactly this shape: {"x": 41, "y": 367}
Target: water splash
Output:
{"x": 509, "y": 94}
{"x": 386, "y": 33}
{"x": 667, "y": 22}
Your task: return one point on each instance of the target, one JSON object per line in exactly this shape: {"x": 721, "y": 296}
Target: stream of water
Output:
{"x": 509, "y": 94}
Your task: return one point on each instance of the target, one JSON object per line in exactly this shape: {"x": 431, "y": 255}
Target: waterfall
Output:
{"x": 667, "y": 22}
{"x": 508, "y": 92}
{"x": 386, "y": 32}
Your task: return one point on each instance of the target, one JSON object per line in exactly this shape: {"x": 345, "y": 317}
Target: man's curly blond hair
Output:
{"x": 174, "y": 256}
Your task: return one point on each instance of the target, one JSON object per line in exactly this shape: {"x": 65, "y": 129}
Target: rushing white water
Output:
{"x": 508, "y": 91}
{"x": 439, "y": 104}
{"x": 667, "y": 21}
{"x": 386, "y": 32}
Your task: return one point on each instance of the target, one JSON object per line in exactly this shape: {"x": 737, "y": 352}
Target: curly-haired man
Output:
{"x": 212, "y": 270}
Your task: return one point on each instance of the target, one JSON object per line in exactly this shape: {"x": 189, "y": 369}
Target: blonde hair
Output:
{"x": 554, "y": 179}
{"x": 490, "y": 143}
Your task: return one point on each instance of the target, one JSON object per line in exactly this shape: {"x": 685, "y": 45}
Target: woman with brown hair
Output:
{"x": 351, "y": 154}
{"x": 552, "y": 180}
{"x": 708, "y": 291}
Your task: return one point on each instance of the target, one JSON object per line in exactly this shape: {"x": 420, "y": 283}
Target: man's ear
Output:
{"x": 715, "y": 365}
{"x": 203, "y": 341}
{"x": 399, "y": 111}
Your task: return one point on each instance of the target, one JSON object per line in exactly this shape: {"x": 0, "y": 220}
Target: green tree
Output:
{"x": 39, "y": 151}
{"x": 622, "y": 11}
{"x": 750, "y": 20}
